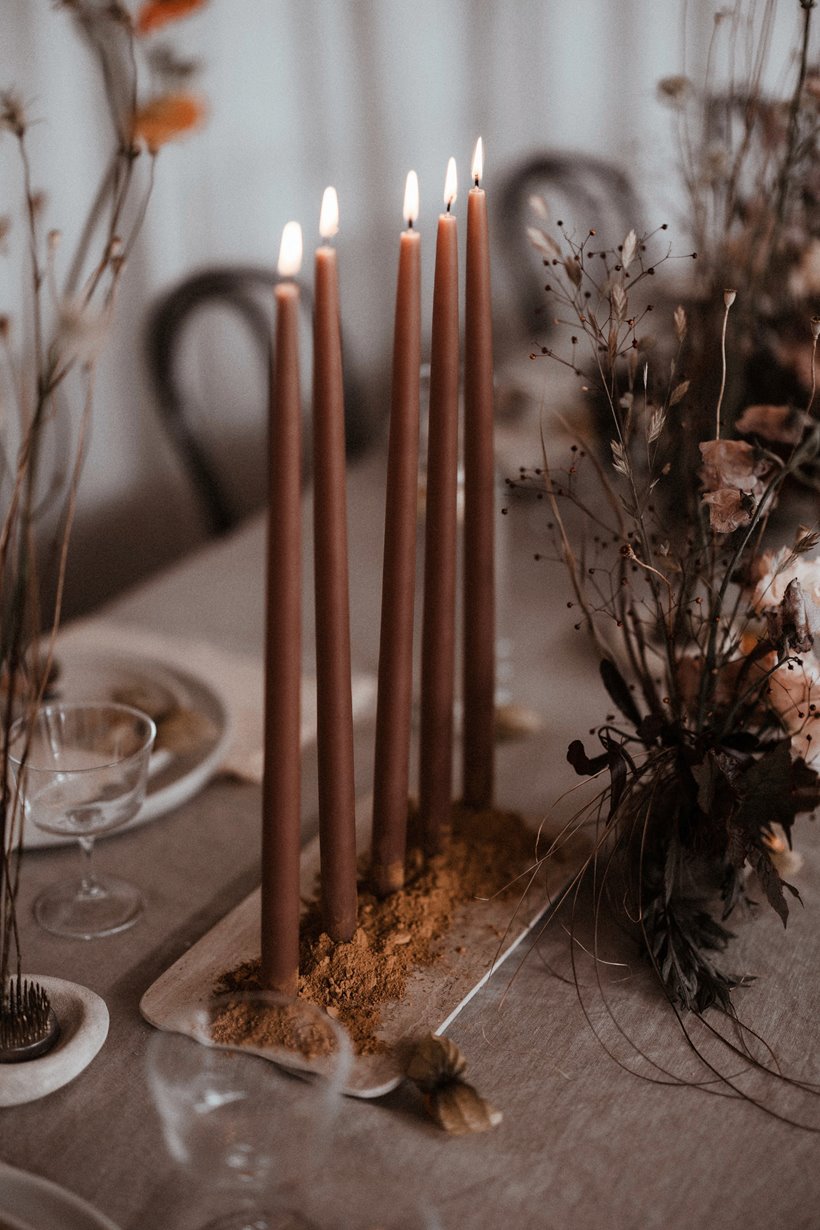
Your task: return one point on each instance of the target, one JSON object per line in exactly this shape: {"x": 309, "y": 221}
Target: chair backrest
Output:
{"x": 246, "y": 292}
{"x": 594, "y": 192}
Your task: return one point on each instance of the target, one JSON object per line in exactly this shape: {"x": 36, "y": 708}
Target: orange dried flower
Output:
{"x": 167, "y": 117}
{"x": 156, "y": 13}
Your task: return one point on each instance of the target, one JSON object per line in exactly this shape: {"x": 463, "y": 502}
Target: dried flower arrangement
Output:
{"x": 750, "y": 169}
{"x": 706, "y": 632}
{"x": 49, "y": 352}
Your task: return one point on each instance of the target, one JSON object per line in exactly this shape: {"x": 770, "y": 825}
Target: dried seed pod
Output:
{"x": 435, "y": 1062}
{"x": 436, "y": 1066}
{"x": 460, "y": 1110}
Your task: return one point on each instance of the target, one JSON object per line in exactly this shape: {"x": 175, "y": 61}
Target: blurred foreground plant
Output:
{"x": 49, "y": 353}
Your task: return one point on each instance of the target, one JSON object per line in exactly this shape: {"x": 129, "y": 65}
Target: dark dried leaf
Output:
{"x": 774, "y": 790}
{"x": 742, "y": 741}
{"x": 619, "y": 692}
{"x": 581, "y": 763}
{"x": 805, "y": 792}
{"x": 769, "y": 881}
{"x": 650, "y": 727}
{"x": 618, "y": 760}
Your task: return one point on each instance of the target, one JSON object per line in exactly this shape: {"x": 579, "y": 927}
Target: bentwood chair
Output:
{"x": 228, "y": 478}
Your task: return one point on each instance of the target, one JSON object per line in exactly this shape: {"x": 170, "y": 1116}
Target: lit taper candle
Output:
{"x": 395, "y": 695}
{"x": 479, "y": 506}
{"x": 438, "y": 621}
{"x": 337, "y": 813}
{"x": 281, "y": 835}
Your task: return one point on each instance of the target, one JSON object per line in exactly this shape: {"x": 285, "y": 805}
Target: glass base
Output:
{"x": 85, "y": 912}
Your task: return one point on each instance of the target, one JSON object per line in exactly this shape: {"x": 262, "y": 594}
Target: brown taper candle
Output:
{"x": 395, "y": 695}
{"x": 438, "y": 623}
{"x": 283, "y": 662}
{"x": 337, "y": 817}
{"x": 479, "y": 508}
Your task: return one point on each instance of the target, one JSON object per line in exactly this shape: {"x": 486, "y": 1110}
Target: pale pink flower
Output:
{"x": 781, "y": 424}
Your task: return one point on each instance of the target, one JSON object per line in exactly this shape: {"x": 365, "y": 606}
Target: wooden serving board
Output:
{"x": 482, "y": 937}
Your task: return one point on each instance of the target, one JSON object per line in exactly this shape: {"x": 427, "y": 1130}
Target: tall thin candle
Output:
{"x": 479, "y": 506}
{"x": 395, "y": 695}
{"x": 438, "y": 623}
{"x": 283, "y": 662}
{"x": 337, "y": 813}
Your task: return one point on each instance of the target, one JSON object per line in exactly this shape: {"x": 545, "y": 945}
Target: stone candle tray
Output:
{"x": 483, "y": 935}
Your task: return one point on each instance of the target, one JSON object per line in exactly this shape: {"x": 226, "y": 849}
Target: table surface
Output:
{"x": 585, "y": 1142}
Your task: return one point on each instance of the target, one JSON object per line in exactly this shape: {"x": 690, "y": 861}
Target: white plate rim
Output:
{"x": 30, "y": 1184}
{"x": 175, "y": 792}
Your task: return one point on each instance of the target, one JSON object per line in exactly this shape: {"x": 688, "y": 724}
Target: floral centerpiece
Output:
{"x": 704, "y": 616}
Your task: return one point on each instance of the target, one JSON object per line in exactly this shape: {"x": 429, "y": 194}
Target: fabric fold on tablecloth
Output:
{"x": 237, "y": 678}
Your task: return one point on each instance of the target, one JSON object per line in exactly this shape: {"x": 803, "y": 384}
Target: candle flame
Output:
{"x": 329, "y": 216}
{"x": 290, "y": 251}
{"x": 450, "y": 184}
{"x": 411, "y": 197}
{"x": 478, "y": 162}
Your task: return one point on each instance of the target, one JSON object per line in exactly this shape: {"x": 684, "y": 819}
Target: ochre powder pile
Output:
{"x": 486, "y": 856}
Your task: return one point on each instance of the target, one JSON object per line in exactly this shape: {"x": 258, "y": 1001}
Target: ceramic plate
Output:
{"x": 173, "y": 777}
{"x": 28, "y": 1202}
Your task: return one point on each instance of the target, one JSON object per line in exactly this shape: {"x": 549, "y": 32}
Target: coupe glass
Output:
{"x": 250, "y": 1135}
{"x": 82, "y": 770}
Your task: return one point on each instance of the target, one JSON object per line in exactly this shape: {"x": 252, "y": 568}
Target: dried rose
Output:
{"x": 779, "y": 569}
{"x": 781, "y": 424}
{"x": 732, "y": 463}
{"x": 729, "y": 509}
{"x": 788, "y": 622}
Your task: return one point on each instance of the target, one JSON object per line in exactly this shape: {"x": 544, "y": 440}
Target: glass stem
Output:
{"x": 90, "y": 885}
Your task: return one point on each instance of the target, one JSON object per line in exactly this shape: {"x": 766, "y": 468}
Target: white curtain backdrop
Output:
{"x": 303, "y": 93}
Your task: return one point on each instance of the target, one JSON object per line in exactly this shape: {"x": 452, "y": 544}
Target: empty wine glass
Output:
{"x": 82, "y": 770}
{"x": 239, "y": 1123}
